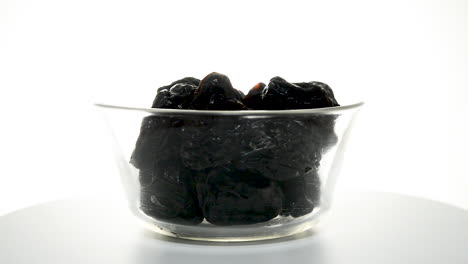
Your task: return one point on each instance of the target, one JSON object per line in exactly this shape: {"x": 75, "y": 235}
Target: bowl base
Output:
{"x": 276, "y": 228}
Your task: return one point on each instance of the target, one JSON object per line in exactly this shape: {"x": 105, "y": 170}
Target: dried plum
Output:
{"x": 168, "y": 193}
{"x": 253, "y": 99}
{"x": 177, "y": 95}
{"x": 158, "y": 137}
{"x": 215, "y": 92}
{"x": 280, "y": 148}
{"x": 321, "y": 131}
{"x": 321, "y": 90}
{"x": 301, "y": 194}
{"x": 229, "y": 196}
{"x": 233, "y": 170}
{"x": 280, "y": 95}
{"x": 167, "y": 190}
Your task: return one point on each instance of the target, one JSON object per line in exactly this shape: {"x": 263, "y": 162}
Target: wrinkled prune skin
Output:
{"x": 167, "y": 193}
{"x": 325, "y": 91}
{"x": 229, "y": 196}
{"x": 177, "y": 95}
{"x": 215, "y": 92}
{"x": 278, "y": 148}
{"x": 158, "y": 136}
{"x": 281, "y": 95}
{"x": 167, "y": 189}
{"x": 301, "y": 194}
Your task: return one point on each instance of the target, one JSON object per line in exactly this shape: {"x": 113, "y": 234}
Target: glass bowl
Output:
{"x": 229, "y": 175}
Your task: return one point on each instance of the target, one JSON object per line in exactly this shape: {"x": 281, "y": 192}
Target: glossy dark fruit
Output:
{"x": 158, "y": 137}
{"x": 215, "y": 92}
{"x": 177, "y": 95}
{"x": 253, "y": 99}
{"x": 188, "y": 80}
{"x": 321, "y": 90}
{"x": 301, "y": 194}
{"x": 229, "y": 196}
{"x": 206, "y": 159}
{"x": 280, "y": 95}
{"x": 233, "y": 170}
{"x": 167, "y": 193}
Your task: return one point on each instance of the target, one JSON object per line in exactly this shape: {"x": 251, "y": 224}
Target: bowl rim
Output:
{"x": 164, "y": 111}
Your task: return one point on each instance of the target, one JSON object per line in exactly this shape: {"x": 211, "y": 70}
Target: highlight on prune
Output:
{"x": 253, "y": 99}
{"x": 177, "y": 95}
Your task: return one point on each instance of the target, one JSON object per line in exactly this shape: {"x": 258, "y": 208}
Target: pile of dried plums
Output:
{"x": 228, "y": 169}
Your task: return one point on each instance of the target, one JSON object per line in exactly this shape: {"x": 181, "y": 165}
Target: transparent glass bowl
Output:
{"x": 229, "y": 175}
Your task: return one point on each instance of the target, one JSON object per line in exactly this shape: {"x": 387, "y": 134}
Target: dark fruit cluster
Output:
{"x": 232, "y": 170}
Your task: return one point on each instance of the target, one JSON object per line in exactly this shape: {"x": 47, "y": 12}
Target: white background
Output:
{"x": 406, "y": 59}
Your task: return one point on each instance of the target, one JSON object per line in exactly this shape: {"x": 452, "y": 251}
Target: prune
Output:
{"x": 229, "y": 196}
{"x": 301, "y": 194}
{"x": 177, "y": 95}
{"x": 215, "y": 92}
{"x": 167, "y": 193}
{"x": 254, "y": 98}
{"x": 280, "y": 95}
{"x": 158, "y": 136}
{"x": 312, "y": 86}
{"x": 188, "y": 80}
{"x": 167, "y": 190}
{"x": 278, "y": 148}
{"x": 233, "y": 170}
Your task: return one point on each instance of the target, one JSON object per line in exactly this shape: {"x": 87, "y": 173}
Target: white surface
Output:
{"x": 406, "y": 58}
{"x": 364, "y": 228}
